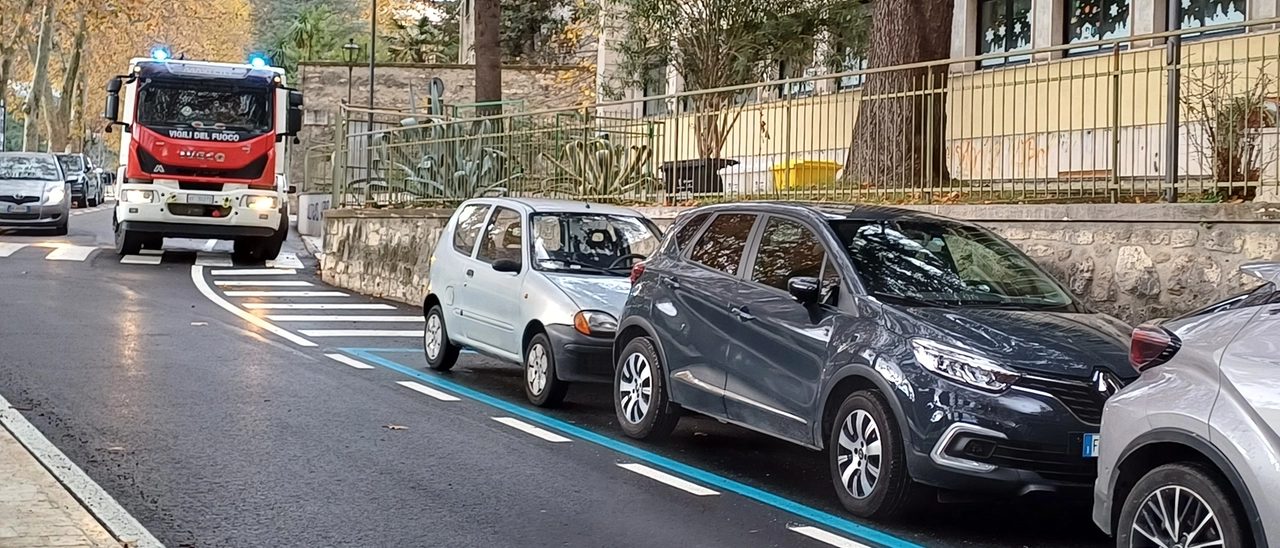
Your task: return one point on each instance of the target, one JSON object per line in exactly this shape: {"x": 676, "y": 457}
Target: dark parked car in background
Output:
{"x": 86, "y": 184}
{"x": 918, "y": 351}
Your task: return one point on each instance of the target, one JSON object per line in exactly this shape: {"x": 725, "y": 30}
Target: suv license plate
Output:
{"x": 1091, "y": 444}
{"x": 199, "y": 199}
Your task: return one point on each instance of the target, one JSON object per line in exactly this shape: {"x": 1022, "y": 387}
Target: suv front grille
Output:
{"x": 1052, "y": 462}
{"x": 1082, "y": 397}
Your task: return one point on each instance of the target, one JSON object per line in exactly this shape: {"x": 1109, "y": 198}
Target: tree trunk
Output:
{"x": 898, "y": 140}
{"x": 57, "y": 112}
{"x": 488, "y": 48}
{"x": 10, "y": 47}
{"x": 40, "y": 80}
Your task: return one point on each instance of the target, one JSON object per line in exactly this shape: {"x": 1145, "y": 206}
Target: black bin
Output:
{"x": 697, "y": 176}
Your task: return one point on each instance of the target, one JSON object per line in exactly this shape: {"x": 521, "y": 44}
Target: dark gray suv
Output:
{"x": 917, "y": 350}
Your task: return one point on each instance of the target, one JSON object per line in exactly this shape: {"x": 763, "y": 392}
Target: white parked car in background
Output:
{"x": 1189, "y": 454}
{"x": 535, "y": 282}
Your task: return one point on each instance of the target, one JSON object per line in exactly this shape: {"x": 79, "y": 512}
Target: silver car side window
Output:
{"x": 503, "y": 239}
{"x": 469, "y": 221}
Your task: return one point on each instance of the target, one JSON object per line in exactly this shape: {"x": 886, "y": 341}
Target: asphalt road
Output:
{"x": 214, "y": 431}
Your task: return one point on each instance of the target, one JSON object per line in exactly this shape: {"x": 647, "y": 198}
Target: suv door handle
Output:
{"x": 470, "y": 272}
{"x": 670, "y": 282}
{"x": 743, "y": 313}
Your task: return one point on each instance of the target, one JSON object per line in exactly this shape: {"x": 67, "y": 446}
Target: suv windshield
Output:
{"x": 589, "y": 242}
{"x": 71, "y": 163}
{"x": 39, "y": 168}
{"x": 180, "y": 105}
{"x": 938, "y": 263}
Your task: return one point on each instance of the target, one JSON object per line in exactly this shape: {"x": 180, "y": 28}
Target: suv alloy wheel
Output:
{"x": 868, "y": 467}
{"x": 640, "y": 393}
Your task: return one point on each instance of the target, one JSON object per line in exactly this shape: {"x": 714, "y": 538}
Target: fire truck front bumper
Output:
{"x": 199, "y": 214}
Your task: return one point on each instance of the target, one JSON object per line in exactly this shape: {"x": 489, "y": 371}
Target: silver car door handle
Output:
{"x": 743, "y": 314}
{"x": 670, "y": 282}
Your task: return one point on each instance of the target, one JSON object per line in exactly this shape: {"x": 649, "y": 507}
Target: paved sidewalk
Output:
{"x": 36, "y": 511}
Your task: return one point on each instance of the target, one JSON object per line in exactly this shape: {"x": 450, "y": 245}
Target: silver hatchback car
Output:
{"x": 535, "y": 282}
{"x": 33, "y": 192}
{"x": 1189, "y": 454}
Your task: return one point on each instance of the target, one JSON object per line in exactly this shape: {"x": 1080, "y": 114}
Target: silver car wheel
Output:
{"x": 432, "y": 337}
{"x": 636, "y": 388}
{"x": 859, "y": 456}
{"x": 1175, "y": 517}
{"x": 536, "y": 369}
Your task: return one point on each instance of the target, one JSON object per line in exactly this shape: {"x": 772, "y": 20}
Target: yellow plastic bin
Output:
{"x": 804, "y": 174}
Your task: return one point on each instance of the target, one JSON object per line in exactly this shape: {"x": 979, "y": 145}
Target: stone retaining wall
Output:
{"x": 1137, "y": 262}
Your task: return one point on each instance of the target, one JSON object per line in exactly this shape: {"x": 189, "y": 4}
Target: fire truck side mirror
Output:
{"x": 112, "y": 111}
{"x": 294, "y": 114}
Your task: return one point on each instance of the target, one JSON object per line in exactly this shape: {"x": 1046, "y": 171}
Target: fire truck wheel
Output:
{"x": 271, "y": 244}
{"x": 247, "y": 249}
{"x": 128, "y": 242}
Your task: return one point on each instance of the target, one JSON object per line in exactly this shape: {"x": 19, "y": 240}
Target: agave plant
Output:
{"x": 457, "y": 164}
{"x": 599, "y": 169}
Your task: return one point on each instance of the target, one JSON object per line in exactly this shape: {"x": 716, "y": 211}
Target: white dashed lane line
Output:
{"x": 532, "y": 430}
{"x": 424, "y": 389}
{"x": 285, "y": 260}
{"x": 70, "y": 253}
{"x": 360, "y": 332}
{"x": 205, "y": 258}
{"x": 286, "y": 294}
{"x": 7, "y": 249}
{"x": 663, "y": 477}
{"x": 348, "y": 360}
{"x": 318, "y": 306}
{"x": 262, "y": 283}
{"x": 357, "y": 319}
{"x": 825, "y": 537}
{"x": 141, "y": 259}
{"x": 255, "y": 272}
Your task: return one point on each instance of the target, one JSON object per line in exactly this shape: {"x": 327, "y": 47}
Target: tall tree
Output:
{"x": 15, "y": 22}
{"x": 898, "y": 139}
{"x": 39, "y": 80}
{"x": 488, "y": 47}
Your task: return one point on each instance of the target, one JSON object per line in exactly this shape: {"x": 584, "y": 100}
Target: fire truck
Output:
{"x": 203, "y": 153}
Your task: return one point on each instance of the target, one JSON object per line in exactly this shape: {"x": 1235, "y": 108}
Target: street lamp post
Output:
{"x": 373, "y": 54}
{"x": 351, "y": 48}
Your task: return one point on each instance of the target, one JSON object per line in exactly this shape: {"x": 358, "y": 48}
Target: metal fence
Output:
{"x": 1058, "y": 124}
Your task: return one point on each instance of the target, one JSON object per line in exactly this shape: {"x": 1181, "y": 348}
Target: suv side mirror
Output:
{"x": 506, "y": 265}
{"x": 804, "y": 289}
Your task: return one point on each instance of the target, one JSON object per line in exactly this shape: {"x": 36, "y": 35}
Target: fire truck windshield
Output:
{"x": 200, "y": 105}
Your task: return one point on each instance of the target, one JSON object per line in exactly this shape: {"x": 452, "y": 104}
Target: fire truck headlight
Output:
{"x": 133, "y": 196}
{"x": 262, "y": 203}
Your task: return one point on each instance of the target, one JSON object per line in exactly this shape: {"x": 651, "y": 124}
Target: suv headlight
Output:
{"x": 55, "y": 194}
{"x": 595, "y": 323}
{"x": 962, "y": 367}
{"x": 134, "y": 196}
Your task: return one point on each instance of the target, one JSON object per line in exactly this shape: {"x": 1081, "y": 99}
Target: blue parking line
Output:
{"x": 812, "y": 514}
